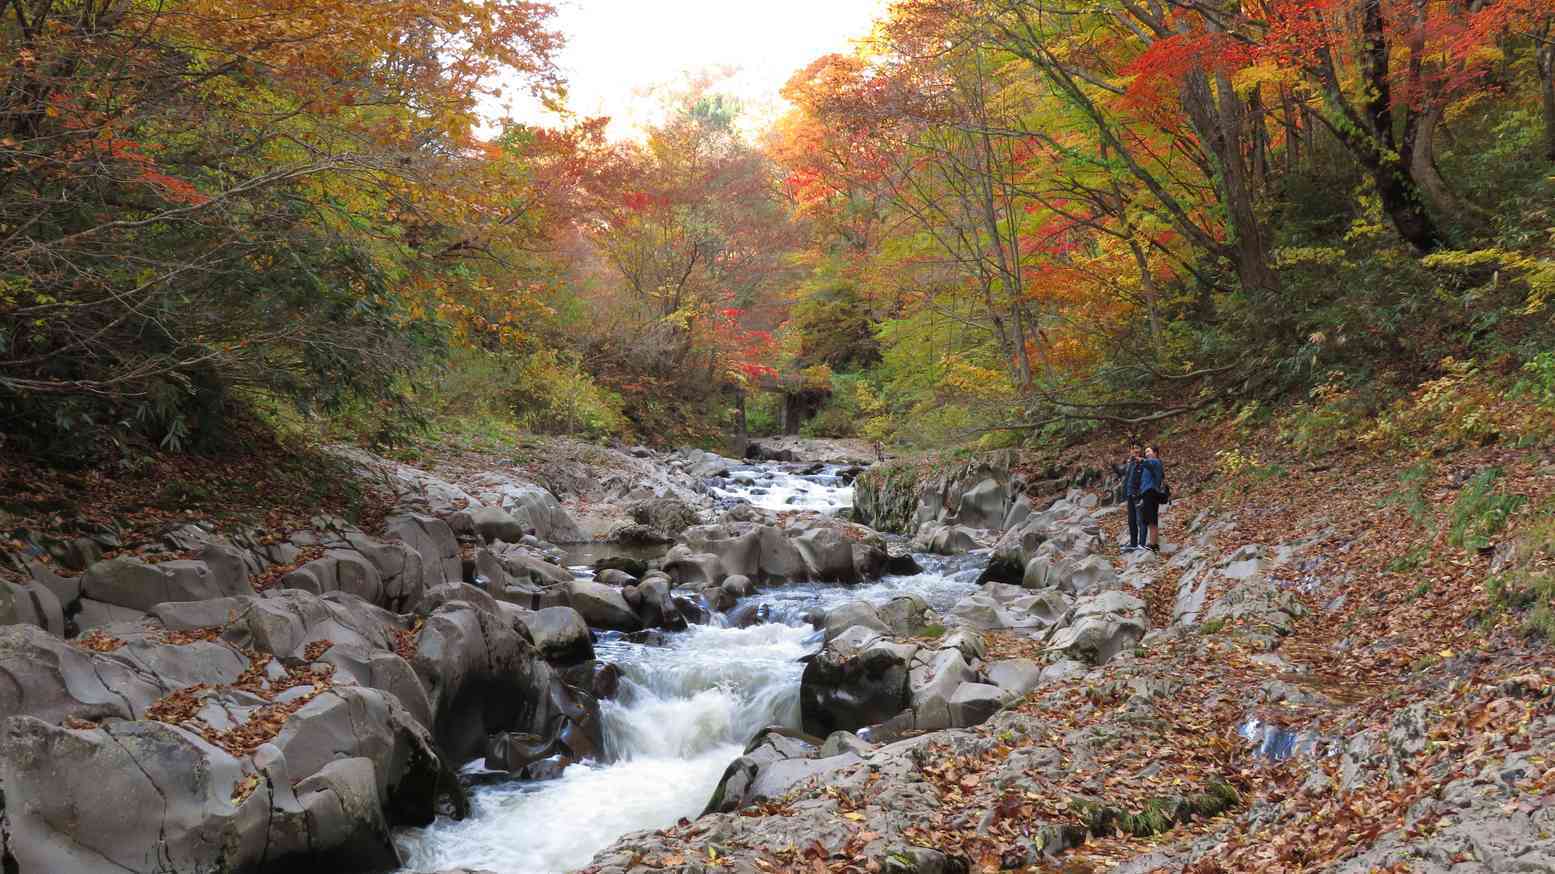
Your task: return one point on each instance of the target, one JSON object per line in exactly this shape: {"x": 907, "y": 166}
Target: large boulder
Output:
{"x": 560, "y": 635}
{"x": 434, "y": 541}
{"x": 761, "y": 552}
{"x": 339, "y": 571}
{"x": 663, "y": 518}
{"x": 1015, "y": 677}
{"x": 907, "y": 615}
{"x": 602, "y": 606}
{"x": 947, "y": 539}
{"x": 827, "y": 554}
{"x": 1101, "y": 627}
{"x": 130, "y": 582}
{"x": 268, "y": 768}
{"x": 30, "y": 603}
{"x": 774, "y": 762}
{"x": 656, "y": 607}
{"x": 400, "y": 569}
{"x": 973, "y": 703}
{"x": 935, "y": 679}
{"x": 985, "y": 504}
{"x": 480, "y": 676}
{"x": 856, "y": 680}
{"x": 526, "y": 508}
{"x": 853, "y": 614}
{"x": 494, "y": 524}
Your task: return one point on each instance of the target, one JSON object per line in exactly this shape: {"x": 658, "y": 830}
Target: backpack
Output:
{"x": 1164, "y": 489}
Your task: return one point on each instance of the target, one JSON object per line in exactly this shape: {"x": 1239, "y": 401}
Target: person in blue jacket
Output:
{"x": 1152, "y": 478}
{"x": 1130, "y": 475}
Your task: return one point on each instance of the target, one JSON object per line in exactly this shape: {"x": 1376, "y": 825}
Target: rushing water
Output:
{"x": 684, "y": 712}
{"x": 774, "y": 487}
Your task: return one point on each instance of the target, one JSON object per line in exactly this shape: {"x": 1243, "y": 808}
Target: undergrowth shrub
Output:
{"x": 552, "y": 394}
{"x": 1481, "y": 511}
{"x": 1526, "y": 582}
{"x": 1410, "y": 497}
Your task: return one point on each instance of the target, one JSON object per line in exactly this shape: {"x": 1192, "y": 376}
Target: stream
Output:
{"x": 684, "y": 712}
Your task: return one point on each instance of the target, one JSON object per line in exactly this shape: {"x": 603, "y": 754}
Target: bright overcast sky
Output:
{"x": 618, "y": 50}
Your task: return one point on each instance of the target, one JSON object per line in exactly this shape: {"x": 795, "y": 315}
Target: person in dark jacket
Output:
{"x": 1130, "y": 473}
{"x": 1152, "y": 477}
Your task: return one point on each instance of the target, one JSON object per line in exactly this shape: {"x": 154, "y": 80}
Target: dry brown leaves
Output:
{"x": 98, "y": 640}
{"x": 405, "y": 639}
{"x": 272, "y": 575}
{"x": 182, "y": 707}
{"x": 192, "y": 635}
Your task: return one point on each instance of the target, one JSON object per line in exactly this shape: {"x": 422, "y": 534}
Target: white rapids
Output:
{"x": 781, "y": 489}
{"x": 684, "y": 712}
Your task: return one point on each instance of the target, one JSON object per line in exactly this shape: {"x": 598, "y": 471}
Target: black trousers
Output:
{"x": 1135, "y": 536}
{"x": 1149, "y": 511}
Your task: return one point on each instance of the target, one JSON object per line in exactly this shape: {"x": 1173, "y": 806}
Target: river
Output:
{"x": 684, "y": 712}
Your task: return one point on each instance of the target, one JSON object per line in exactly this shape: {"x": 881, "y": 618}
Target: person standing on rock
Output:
{"x": 1131, "y": 471}
{"x": 1152, "y": 491}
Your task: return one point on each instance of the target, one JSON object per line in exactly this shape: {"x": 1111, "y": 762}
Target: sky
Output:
{"x": 618, "y": 51}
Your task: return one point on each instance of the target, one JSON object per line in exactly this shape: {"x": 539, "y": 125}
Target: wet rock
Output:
{"x": 827, "y": 554}
{"x": 947, "y": 540}
{"x": 749, "y": 614}
{"x": 560, "y": 635}
{"x": 656, "y": 609}
{"x": 514, "y": 751}
{"x": 494, "y": 524}
{"x": 613, "y": 577}
{"x": 633, "y": 567}
{"x": 602, "y": 606}
{"x": 902, "y": 565}
{"x": 665, "y": 518}
{"x": 691, "y": 611}
{"x": 854, "y": 614}
{"x": 856, "y": 680}
{"x": 738, "y": 586}
{"x": 840, "y": 742}
{"x": 907, "y": 615}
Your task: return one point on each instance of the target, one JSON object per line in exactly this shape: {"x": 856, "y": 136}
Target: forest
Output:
{"x": 1048, "y": 435}
{"x": 992, "y": 223}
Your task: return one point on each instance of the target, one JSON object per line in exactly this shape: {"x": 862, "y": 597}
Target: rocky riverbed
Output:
{"x": 637, "y": 661}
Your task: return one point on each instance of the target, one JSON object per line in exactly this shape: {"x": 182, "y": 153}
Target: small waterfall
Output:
{"x": 685, "y": 710}
{"x": 775, "y": 488}
{"x": 709, "y": 687}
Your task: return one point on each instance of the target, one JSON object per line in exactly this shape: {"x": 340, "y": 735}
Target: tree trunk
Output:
{"x": 742, "y": 436}
{"x": 1422, "y": 166}
{"x": 1546, "y": 58}
{"x": 1218, "y": 120}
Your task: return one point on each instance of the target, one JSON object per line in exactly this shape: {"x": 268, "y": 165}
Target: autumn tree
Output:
{"x": 207, "y": 195}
